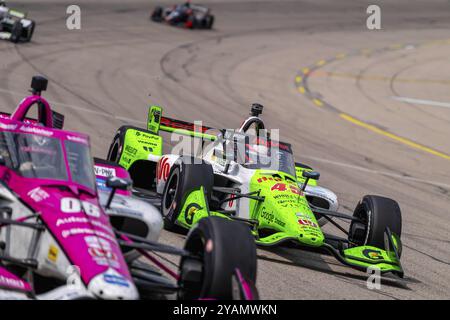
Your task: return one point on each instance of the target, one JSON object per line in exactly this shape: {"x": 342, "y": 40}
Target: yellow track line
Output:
{"x": 317, "y": 102}
{"x": 393, "y": 136}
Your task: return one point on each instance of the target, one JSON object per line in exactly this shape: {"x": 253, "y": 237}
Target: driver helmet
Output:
{"x": 45, "y": 154}
{"x": 257, "y": 153}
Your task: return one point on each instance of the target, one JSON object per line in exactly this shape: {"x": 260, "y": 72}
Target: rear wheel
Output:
{"x": 183, "y": 179}
{"x": 375, "y": 214}
{"x": 16, "y": 32}
{"x": 192, "y": 22}
{"x": 157, "y": 14}
{"x": 222, "y": 261}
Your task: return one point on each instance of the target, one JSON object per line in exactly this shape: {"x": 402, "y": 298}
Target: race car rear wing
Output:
{"x": 156, "y": 122}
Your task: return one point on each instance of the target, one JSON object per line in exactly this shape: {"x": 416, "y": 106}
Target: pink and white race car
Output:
{"x": 69, "y": 231}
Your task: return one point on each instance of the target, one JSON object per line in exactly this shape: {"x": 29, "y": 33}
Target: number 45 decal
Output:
{"x": 283, "y": 187}
{"x": 73, "y": 205}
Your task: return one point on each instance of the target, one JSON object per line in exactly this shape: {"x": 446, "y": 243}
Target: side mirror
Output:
{"x": 116, "y": 183}
{"x": 309, "y": 175}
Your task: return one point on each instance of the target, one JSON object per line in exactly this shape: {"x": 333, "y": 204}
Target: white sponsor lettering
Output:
{"x": 104, "y": 172}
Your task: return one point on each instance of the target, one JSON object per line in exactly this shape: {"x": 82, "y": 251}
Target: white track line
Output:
{"x": 384, "y": 173}
{"x": 423, "y": 102}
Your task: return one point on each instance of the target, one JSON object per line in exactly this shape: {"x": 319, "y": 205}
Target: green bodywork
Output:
{"x": 195, "y": 208}
{"x": 154, "y": 119}
{"x": 366, "y": 256}
{"x": 139, "y": 145}
{"x": 284, "y": 209}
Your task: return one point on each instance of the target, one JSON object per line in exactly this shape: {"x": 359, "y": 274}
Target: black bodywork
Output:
{"x": 186, "y": 15}
{"x": 14, "y": 25}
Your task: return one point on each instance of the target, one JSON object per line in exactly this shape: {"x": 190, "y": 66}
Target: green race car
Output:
{"x": 247, "y": 175}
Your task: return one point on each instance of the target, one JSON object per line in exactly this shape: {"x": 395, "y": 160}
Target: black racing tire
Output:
{"x": 376, "y": 213}
{"x": 31, "y": 31}
{"x": 195, "y": 23}
{"x": 117, "y": 144}
{"x": 221, "y": 246}
{"x": 210, "y": 22}
{"x": 184, "y": 178}
{"x": 16, "y": 32}
{"x": 157, "y": 14}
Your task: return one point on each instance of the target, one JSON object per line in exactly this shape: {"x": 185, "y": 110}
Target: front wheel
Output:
{"x": 375, "y": 214}
{"x": 221, "y": 263}
{"x": 209, "y": 22}
{"x": 30, "y": 31}
{"x": 183, "y": 179}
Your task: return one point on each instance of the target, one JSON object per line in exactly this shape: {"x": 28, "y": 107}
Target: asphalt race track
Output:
{"x": 370, "y": 110}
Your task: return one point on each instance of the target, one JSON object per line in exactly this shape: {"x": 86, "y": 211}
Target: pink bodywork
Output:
{"x": 105, "y": 170}
{"x": 11, "y": 281}
{"x": 87, "y": 238}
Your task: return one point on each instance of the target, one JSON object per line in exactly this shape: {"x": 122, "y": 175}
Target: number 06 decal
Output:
{"x": 73, "y": 205}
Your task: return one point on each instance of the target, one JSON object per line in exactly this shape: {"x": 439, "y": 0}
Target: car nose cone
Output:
{"x": 111, "y": 285}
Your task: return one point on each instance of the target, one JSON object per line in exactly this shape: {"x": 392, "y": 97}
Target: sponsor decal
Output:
{"x": 280, "y": 223}
{"x": 38, "y": 194}
{"x": 129, "y": 149}
{"x": 163, "y": 169}
{"x": 78, "y": 231}
{"x": 307, "y": 222}
{"x": 263, "y": 179}
{"x": 283, "y": 187}
{"x": 101, "y": 254}
{"x": 373, "y": 254}
{"x": 69, "y": 220}
{"x": 83, "y": 220}
{"x": 266, "y": 215}
{"x": 231, "y": 201}
{"x": 12, "y": 283}
{"x": 190, "y": 211}
{"x": 77, "y": 139}
{"x": 53, "y": 253}
{"x": 104, "y": 171}
{"x": 36, "y": 130}
{"x": 100, "y": 250}
{"x": 116, "y": 280}
{"x": 8, "y": 126}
